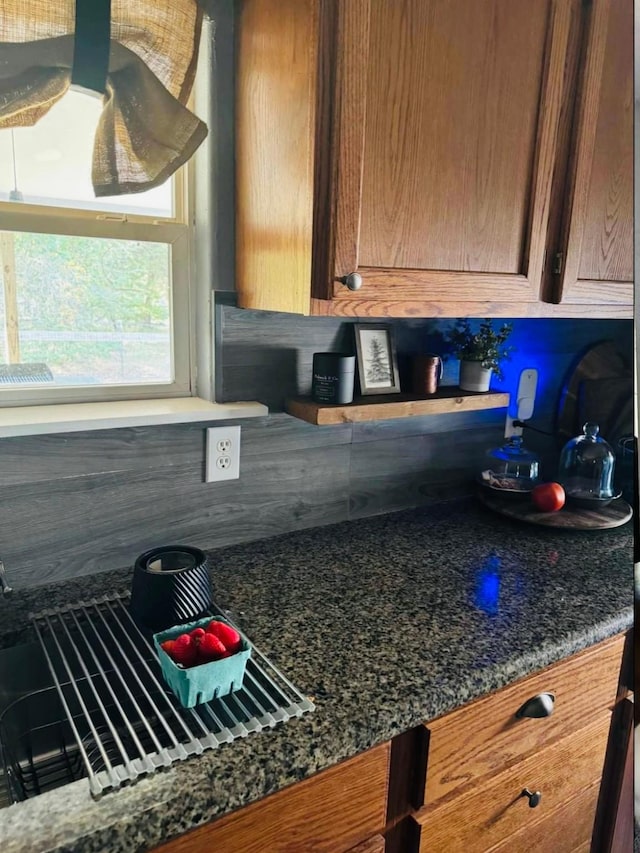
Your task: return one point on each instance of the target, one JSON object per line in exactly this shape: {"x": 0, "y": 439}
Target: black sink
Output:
{"x": 37, "y": 747}
{"x": 38, "y": 739}
{"x": 36, "y": 742}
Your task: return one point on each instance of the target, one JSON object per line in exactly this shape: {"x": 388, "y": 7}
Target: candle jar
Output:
{"x": 333, "y": 376}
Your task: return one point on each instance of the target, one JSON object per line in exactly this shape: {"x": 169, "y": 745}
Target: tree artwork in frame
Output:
{"x": 377, "y": 363}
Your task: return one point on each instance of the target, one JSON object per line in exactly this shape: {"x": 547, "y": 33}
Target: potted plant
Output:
{"x": 480, "y": 352}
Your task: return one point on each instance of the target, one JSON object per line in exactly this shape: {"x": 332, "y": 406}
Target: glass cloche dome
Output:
{"x": 510, "y": 468}
{"x": 586, "y": 468}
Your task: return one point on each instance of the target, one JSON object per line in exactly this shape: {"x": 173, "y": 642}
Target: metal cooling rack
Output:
{"x": 125, "y": 720}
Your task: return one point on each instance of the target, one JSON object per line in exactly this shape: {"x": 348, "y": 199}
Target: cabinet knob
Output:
{"x": 353, "y": 281}
{"x": 534, "y": 797}
{"x": 539, "y": 706}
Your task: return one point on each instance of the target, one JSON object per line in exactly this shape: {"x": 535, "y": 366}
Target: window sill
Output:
{"x": 76, "y": 417}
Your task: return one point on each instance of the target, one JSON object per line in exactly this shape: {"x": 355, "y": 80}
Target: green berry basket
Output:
{"x": 206, "y": 681}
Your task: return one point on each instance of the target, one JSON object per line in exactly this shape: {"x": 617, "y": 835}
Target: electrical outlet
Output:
{"x": 223, "y": 454}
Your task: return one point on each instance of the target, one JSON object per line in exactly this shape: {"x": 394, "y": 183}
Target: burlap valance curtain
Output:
{"x": 145, "y": 130}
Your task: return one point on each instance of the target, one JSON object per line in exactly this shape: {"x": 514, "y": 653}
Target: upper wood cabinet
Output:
{"x": 596, "y": 265}
{"x": 420, "y": 144}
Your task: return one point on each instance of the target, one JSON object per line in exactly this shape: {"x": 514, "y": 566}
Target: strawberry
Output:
{"x": 226, "y": 633}
{"x": 185, "y": 650}
{"x": 167, "y": 646}
{"x": 197, "y": 634}
{"x": 211, "y": 648}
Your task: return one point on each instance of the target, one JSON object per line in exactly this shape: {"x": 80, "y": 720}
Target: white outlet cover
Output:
{"x": 229, "y": 435}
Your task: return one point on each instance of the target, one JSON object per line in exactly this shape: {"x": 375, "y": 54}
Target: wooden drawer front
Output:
{"x": 476, "y": 821}
{"x": 485, "y": 736}
{"x": 372, "y": 845}
{"x": 565, "y": 830}
{"x": 328, "y": 813}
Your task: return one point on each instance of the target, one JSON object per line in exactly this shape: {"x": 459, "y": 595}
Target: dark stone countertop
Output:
{"x": 387, "y": 622}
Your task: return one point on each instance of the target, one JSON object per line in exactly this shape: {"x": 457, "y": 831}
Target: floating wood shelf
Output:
{"x": 382, "y": 408}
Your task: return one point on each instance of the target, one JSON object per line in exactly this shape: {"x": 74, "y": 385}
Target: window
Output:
{"x": 94, "y": 293}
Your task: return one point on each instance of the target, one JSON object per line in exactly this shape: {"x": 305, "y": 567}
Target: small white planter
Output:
{"x": 474, "y": 377}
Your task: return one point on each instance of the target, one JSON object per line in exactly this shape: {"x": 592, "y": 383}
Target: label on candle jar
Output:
{"x": 325, "y": 387}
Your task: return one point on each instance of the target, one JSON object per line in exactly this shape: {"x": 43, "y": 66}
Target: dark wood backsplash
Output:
{"x": 85, "y": 502}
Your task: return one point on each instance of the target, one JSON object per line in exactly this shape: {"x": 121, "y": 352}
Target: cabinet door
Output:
{"x": 614, "y": 828}
{"x": 276, "y": 79}
{"x": 497, "y": 810}
{"x": 599, "y": 225}
{"x": 475, "y": 742}
{"x": 327, "y": 813}
{"x": 445, "y": 126}
{"x": 372, "y": 845}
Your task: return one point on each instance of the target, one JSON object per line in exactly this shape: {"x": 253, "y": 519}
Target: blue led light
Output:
{"x": 548, "y": 345}
{"x": 487, "y": 588}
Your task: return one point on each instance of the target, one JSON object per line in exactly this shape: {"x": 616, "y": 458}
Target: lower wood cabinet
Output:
{"x": 371, "y": 845}
{"x": 519, "y": 771}
{"x": 497, "y": 812}
{"x": 485, "y": 777}
{"x": 565, "y": 828}
{"x": 614, "y": 829}
{"x": 487, "y": 735}
{"x": 332, "y": 812}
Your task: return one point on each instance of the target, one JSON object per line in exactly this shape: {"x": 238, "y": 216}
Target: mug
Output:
{"x": 427, "y": 372}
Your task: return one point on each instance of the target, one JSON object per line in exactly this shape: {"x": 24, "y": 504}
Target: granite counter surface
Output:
{"x": 386, "y": 622}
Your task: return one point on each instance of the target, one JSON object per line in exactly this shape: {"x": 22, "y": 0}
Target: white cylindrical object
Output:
{"x": 474, "y": 377}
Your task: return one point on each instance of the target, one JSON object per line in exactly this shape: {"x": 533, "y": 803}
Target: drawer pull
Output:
{"x": 534, "y": 797}
{"x": 540, "y": 706}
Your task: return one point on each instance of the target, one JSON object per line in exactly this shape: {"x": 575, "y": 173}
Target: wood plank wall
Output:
{"x": 81, "y": 503}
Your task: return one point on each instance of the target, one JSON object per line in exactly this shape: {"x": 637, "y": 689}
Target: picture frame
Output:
{"x": 377, "y": 358}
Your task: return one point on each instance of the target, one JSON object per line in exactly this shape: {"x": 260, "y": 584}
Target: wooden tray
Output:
{"x": 617, "y": 513}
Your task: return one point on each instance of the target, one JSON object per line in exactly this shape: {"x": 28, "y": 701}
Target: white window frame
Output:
{"x": 197, "y": 214}
{"x": 175, "y": 231}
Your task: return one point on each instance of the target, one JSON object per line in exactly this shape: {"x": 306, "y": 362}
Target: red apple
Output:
{"x": 548, "y": 497}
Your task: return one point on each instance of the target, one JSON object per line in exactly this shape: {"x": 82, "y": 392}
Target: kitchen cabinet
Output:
{"x": 456, "y": 783}
{"x": 391, "y": 162}
{"x": 333, "y": 812}
{"x": 371, "y": 845}
{"x": 496, "y": 810}
{"x": 614, "y": 829}
{"x": 484, "y": 757}
{"x": 492, "y": 734}
{"x": 595, "y": 264}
